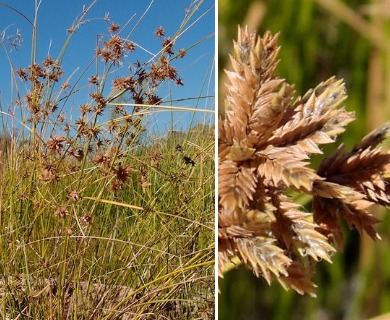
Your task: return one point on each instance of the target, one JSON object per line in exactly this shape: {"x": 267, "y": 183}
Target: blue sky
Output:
{"x": 54, "y": 18}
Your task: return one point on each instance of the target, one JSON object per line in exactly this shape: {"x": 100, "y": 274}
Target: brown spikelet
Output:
{"x": 265, "y": 141}
{"x": 353, "y": 182}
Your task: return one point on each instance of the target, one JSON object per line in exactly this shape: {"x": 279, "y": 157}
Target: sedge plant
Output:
{"x": 100, "y": 218}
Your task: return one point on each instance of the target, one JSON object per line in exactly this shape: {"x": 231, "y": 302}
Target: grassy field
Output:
{"x": 100, "y": 217}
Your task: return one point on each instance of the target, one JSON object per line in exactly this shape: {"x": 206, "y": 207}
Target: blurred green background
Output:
{"x": 319, "y": 39}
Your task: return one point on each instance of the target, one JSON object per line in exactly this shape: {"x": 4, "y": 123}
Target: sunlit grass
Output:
{"x": 99, "y": 217}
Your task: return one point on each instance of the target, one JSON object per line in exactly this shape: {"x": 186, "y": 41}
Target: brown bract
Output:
{"x": 265, "y": 141}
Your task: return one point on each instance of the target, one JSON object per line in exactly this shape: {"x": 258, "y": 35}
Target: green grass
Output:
{"x": 156, "y": 240}
{"x": 100, "y": 218}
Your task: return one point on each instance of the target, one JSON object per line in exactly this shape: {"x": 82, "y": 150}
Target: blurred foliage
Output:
{"x": 317, "y": 43}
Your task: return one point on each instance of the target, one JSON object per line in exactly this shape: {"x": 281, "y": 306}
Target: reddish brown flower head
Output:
{"x": 159, "y": 32}
{"x": 116, "y": 186}
{"x": 74, "y": 195}
{"x": 112, "y": 50}
{"x": 112, "y": 126}
{"x": 98, "y": 98}
{"x": 65, "y": 85}
{"x": 113, "y": 28}
{"x": 49, "y": 174}
{"x": 171, "y": 72}
{"x": 94, "y": 79}
{"x": 85, "y": 108}
{"x": 77, "y": 153}
{"x": 104, "y": 159}
{"x": 22, "y": 73}
{"x": 93, "y": 132}
{"x": 130, "y": 46}
{"x": 51, "y": 106}
{"x": 154, "y": 100}
{"x": 179, "y": 82}
{"x": 122, "y": 172}
{"x": 86, "y": 220}
{"x": 55, "y": 144}
{"x": 61, "y": 212}
{"x": 36, "y": 72}
{"x": 181, "y": 53}
{"x": 119, "y": 109}
{"x": 81, "y": 126}
{"x": 124, "y": 83}
{"x": 168, "y": 46}
{"x": 48, "y": 62}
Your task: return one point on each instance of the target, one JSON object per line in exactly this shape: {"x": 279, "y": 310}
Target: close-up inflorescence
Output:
{"x": 266, "y": 140}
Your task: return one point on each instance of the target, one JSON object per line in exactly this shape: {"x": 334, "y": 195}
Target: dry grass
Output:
{"x": 98, "y": 218}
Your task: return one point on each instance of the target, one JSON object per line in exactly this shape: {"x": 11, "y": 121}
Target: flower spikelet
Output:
{"x": 265, "y": 142}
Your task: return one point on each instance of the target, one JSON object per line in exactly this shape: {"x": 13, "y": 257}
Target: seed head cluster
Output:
{"x": 70, "y": 149}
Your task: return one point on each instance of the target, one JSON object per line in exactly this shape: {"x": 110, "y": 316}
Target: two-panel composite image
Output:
{"x": 195, "y": 159}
